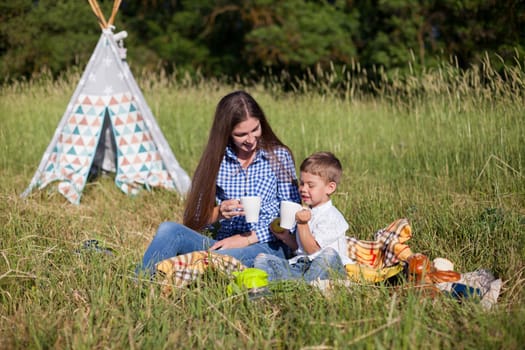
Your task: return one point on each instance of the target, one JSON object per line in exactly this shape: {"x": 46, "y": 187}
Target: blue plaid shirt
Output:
{"x": 274, "y": 180}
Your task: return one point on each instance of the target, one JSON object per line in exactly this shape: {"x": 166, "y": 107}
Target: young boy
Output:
{"x": 320, "y": 236}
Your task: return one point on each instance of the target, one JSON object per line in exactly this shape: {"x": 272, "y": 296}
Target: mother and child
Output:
{"x": 244, "y": 157}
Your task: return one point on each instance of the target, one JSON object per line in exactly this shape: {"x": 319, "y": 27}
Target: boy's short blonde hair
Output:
{"x": 324, "y": 165}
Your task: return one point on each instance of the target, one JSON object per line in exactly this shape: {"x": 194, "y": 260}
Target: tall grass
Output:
{"x": 444, "y": 148}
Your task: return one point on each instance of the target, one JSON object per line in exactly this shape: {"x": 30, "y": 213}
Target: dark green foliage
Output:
{"x": 41, "y": 35}
{"x": 251, "y": 38}
{"x": 316, "y": 33}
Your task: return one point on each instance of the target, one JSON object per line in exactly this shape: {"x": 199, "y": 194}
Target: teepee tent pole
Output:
{"x": 98, "y": 12}
{"x": 116, "y": 5}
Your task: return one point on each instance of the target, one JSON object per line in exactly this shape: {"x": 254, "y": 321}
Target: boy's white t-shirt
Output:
{"x": 328, "y": 226}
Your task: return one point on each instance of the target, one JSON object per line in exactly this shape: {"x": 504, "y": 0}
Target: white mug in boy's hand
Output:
{"x": 288, "y": 210}
{"x": 252, "y": 206}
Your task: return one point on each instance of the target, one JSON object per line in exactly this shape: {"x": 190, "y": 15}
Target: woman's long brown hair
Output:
{"x": 232, "y": 109}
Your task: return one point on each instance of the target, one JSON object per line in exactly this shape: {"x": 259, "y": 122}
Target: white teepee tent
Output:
{"x": 108, "y": 127}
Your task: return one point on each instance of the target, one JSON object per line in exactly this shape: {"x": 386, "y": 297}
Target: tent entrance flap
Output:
{"x": 105, "y": 159}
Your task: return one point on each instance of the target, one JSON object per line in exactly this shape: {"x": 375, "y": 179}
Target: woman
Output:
{"x": 243, "y": 157}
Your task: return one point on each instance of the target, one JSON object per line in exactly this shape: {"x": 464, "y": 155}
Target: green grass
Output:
{"x": 444, "y": 149}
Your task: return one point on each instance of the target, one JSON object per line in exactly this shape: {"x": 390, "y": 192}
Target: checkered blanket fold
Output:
{"x": 181, "y": 270}
{"x": 387, "y": 250}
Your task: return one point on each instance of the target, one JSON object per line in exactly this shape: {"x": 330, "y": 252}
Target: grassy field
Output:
{"x": 444, "y": 149}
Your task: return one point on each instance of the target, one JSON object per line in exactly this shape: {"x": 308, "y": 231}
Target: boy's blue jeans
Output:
{"x": 326, "y": 265}
{"x": 174, "y": 239}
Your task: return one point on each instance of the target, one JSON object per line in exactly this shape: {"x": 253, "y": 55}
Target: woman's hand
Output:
{"x": 235, "y": 241}
{"x": 230, "y": 208}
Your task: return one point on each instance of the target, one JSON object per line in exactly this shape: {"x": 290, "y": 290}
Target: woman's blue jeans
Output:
{"x": 174, "y": 239}
{"x": 326, "y": 265}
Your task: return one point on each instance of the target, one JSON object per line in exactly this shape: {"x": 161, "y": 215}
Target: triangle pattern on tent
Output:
{"x": 140, "y": 159}
{"x": 75, "y": 148}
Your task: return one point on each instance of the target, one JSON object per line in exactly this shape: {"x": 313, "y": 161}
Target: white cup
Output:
{"x": 252, "y": 206}
{"x": 288, "y": 210}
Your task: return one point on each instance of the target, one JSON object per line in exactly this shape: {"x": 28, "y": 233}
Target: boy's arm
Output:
{"x": 308, "y": 241}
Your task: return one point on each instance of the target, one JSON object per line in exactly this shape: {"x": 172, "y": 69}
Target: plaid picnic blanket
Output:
{"x": 180, "y": 270}
{"x": 386, "y": 251}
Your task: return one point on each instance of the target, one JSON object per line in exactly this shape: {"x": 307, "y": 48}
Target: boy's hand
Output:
{"x": 279, "y": 232}
{"x": 303, "y": 216}
{"x": 282, "y": 234}
{"x": 275, "y": 227}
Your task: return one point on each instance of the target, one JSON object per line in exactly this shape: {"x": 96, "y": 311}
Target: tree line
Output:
{"x": 256, "y": 37}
